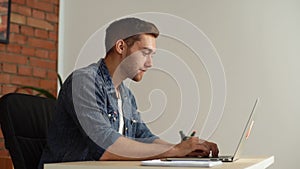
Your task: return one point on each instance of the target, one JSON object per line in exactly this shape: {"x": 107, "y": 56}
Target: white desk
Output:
{"x": 246, "y": 163}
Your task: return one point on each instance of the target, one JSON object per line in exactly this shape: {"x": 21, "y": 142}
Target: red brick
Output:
{"x": 24, "y": 81}
{"x": 39, "y": 72}
{"x": 6, "y": 162}
{"x": 4, "y": 78}
{"x": 48, "y": 84}
{"x": 53, "y": 36}
{"x": 39, "y": 23}
{"x": 39, "y": 43}
{"x": 19, "y": 1}
{"x": 56, "y": 2}
{"x": 16, "y": 67}
{"x": 14, "y": 48}
{"x": 42, "y": 63}
{"x": 54, "y": 91}
{"x": 29, "y": 51}
{"x": 14, "y": 7}
{"x": 53, "y": 55}
{"x": 55, "y": 27}
{"x": 2, "y": 47}
{"x": 4, "y": 152}
{"x": 11, "y": 58}
{"x": 17, "y": 38}
{"x": 38, "y": 14}
{"x": 23, "y": 10}
{"x": 56, "y": 9}
{"x": 1, "y": 144}
{"x": 42, "y": 53}
{"x": 16, "y": 18}
{"x": 52, "y": 75}
{"x": 33, "y": 92}
{"x": 8, "y": 89}
{"x": 27, "y": 30}
{"x": 9, "y": 68}
{"x": 44, "y": 6}
{"x": 51, "y": 1}
{"x": 25, "y": 70}
{"x": 41, "y": 33}
{"x": 25, "y": 91}
{"x": 52, "y": 17}
{"x": 14, "y": 28}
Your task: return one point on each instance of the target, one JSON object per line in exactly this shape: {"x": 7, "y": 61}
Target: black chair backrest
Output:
{"x": 24, "y": 122}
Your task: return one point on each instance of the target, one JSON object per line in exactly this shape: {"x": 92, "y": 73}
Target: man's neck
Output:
{"x": 112, "y": 62}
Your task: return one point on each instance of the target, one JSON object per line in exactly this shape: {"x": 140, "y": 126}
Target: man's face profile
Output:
{"x": 139, "y": 57}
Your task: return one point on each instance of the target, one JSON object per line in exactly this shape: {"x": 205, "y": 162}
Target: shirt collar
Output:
{"x": 105, "y": 73}
{"x": 108, "y": 80}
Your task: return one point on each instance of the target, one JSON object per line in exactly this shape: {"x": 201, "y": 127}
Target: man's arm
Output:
{"x": 160, "y": 141}
{"x": 127, "y": 149}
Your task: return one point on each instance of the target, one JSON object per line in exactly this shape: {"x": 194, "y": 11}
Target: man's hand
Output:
{"x": 196, "y": 147}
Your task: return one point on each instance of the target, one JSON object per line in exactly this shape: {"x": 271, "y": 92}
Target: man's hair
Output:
{"x": 128, "y": 29}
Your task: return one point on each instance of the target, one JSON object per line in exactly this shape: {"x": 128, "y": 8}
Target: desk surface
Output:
{"x": 245, "y": 163}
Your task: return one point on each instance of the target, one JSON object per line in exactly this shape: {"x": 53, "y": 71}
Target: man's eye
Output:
{"x": 145, "y": 53}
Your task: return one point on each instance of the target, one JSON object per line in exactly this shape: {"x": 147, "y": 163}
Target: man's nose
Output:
{"x": 149, "y": 62}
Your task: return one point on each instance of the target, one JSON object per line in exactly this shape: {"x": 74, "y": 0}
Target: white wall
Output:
{"x": 258, "y": 44}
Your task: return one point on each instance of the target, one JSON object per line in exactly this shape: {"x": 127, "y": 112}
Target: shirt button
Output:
{"x": 126, "y": 128}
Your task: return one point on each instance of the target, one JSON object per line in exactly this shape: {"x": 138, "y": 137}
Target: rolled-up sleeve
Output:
{"x": 143, "y": 133}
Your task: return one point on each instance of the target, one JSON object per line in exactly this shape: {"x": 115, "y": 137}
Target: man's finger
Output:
{"x": 205, "y": 150}
{"x": 214, "y": 148}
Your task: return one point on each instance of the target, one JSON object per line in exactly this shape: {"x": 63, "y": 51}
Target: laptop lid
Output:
{"x": 246, "y": 132}
{"x": 239, "y": 148}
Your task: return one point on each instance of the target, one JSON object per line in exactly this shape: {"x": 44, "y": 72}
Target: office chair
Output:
{"x": 24, "y": 122}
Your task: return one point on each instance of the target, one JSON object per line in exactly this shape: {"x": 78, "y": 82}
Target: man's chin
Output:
{"x": 138, "y": 77}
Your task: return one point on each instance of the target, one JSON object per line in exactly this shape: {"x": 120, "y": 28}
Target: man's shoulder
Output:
{"x": 88, "y": 70}
{"x": 92, "y": 72}
{"x": 83, "y": 76}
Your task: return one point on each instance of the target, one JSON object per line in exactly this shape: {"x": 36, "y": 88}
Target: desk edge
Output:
{"x": 263, "y": 164}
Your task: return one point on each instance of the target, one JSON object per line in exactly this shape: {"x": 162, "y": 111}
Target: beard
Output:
{"x": 132, "y": 66}
{"x": 138, "y": 77}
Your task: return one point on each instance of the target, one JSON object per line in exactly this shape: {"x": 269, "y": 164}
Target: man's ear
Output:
{"x": 120, "y": 47}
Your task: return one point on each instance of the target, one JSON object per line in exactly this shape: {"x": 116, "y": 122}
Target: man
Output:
{"x": 96, "y": 116}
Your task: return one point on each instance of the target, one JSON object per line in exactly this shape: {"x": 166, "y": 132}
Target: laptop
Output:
{"x": 238, "y": 149}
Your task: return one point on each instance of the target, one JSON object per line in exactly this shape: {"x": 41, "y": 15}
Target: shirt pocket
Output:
{"x": 113, "y": 119}
{"x": 131, "y": 127}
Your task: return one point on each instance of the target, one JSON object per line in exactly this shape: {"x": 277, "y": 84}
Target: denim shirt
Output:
{"x": 86, "y": 120}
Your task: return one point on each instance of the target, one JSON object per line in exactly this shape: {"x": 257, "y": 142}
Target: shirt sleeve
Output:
{"x": 143, "y": 133}
{"x": 89, "y": 101}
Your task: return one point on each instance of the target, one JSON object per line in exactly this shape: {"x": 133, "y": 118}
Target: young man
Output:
{"x": 96, "y": 116}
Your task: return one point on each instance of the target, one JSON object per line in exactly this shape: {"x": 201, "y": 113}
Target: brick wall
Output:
{"x": 30, "y": 58}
